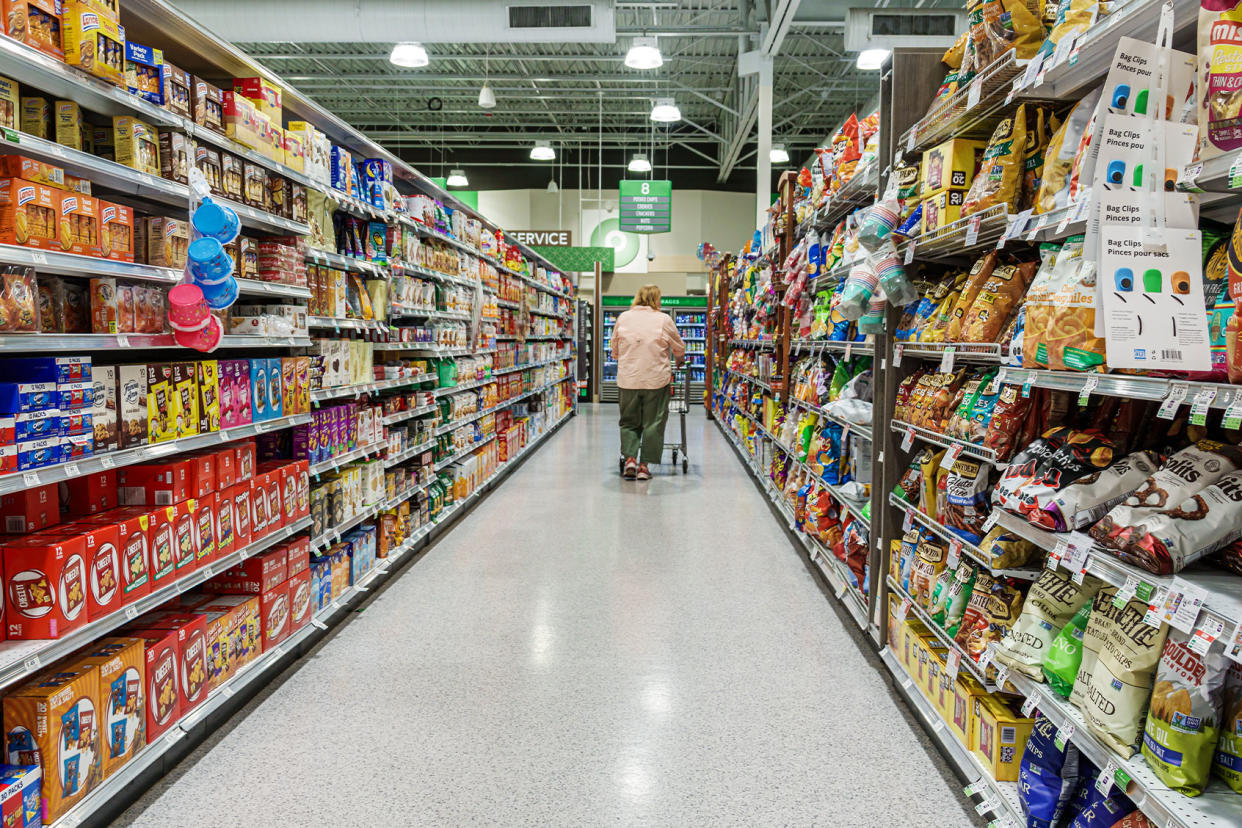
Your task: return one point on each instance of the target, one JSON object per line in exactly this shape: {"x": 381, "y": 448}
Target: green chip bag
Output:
{"x": 1065, "y": 655}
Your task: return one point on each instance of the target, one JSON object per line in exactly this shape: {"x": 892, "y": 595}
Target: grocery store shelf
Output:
{"x": 1221, "y": 395}
{"x": 954, "y": 240}
{"x": 321, "y": 394}
{"x": 936, "y": 438}
{"x": 399, "y": 416}
{"x": 338, "y": 323}
{"x": 498, "y": 371}
{"x": 971, "y": 112}
{"x": 748, "y": 378}
{"x": 848, "y": 349}
{"x": 968, "y": 549}
{"x": 425, "y": 347}
{"x": 859, "y": 191}
{"x": 409, "y": 454}
{"x": 967, "y": 663}
{"x": 103, "y": 342}
{"x": 1004, "y": 799}
{"x": 435, "y": 275}
{"x": 986, "y": 353}
{"x": 450, "y": 460}
{"x": 402, "y": 312}
{"x": 335, "y": 462}
{"x": 467, "y": 420}
{"x": 446, "y": 390}
{"x": 758, "y": 345}
{"x": 854, "y": 428}
{"x": 349, "y": 263}
{"x": 18, "y": 481}
{"x": 19, "y": 659}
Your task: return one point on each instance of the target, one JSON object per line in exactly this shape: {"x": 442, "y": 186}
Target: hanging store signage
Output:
{"x": 543, "y": 238}
{"x": 646, "y": 206}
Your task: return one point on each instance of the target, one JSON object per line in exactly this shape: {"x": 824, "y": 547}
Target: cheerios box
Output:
{"x": 121, "y": 702}
{"x": 55, "y": 722}
{"x": 1002, "y": 732}
{"x": 29, "y": 214}
{"x": 45, "y": 586}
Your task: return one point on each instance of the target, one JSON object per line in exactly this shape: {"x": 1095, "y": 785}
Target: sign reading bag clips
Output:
{"x": 646, "y": 206}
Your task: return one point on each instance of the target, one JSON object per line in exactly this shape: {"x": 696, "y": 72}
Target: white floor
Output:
{"x": 581, "y": 650}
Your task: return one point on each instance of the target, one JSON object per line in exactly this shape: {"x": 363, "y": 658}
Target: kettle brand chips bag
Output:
{"x": 1050, "y": 604}
{"x": 1184, "y": 720}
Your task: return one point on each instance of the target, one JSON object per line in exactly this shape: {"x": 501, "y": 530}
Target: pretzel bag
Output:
{"x": 1089, "y": 498}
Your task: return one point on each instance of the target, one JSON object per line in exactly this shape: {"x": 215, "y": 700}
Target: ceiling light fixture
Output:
{"x": 665, "y": 111}
{"x": 778, "y": 155}
{"x": 408, "y": 55}
{"x": 542, "y": 151}
{"x": 456, "y": 178}
{"x": 644, "y": 54}
{"x": 487, "y": 98}
{"x": 552, "y": 187}
{"x": 871, "y": 59}
{"x": 639, "y": 163}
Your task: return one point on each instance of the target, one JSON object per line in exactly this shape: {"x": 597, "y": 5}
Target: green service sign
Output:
{"x": 646, "y": 206}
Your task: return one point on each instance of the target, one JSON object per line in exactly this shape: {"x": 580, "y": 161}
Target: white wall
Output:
{"x": 724, "y": 219}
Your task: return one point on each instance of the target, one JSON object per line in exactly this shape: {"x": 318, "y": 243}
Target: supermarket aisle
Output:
{"x": 582, "y": 650}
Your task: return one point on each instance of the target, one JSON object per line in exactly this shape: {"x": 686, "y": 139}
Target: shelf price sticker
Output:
{"x": 1088, "y": 387}
{"x": 972, "y": 230}
{"x": 1032, "y": 74}
{"x": 1235, "y": 172}
{"x": 946, "y": 359}
{"x": 953, "y": 663}
{"x": 1199, "y": 407}
{"x": 1026, "y": 385}
{"x": 1205, "y": 635}
{"x": 910, "y": 245}
{"x": 988, "y": 804}
{"x": 990, "y": 523}
{"x": 1154, "y": 616}
{"x": 907, "y": 442}
{"x": 1039, "y": 225}
{"x": 950, "y": 456}
{"x": 1058, "y": 553}
{"x": 1173, "y": 401}
{"x": 1126, "y": 591}
{"x": 908, "y": 523}
{"x": 1028, "y": 706}
{"x": 1062, "y": 52}
{"x": 1183, "y": 604}
{"x": 975, "y": 787}
{"x": 1233, "y": 647}
{"x": 985, "y": 660}
{"x": 903, "y": 610}
{"x": 1064, "y": 733}
{"x": 900, "y": 347}
{"x": 955, "y": 554}
{"x": 1104, "y": 782}
{"x": 1233, "y": 414}
{"x": 1002, "y": 675}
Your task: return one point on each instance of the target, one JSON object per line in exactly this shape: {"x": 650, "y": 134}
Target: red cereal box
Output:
{"x": 300, "y": 605}
{"x": 92, "y": 494}
{"x": 243, "y": 515}
{"x": 30, "y": 510}
{"x": 45, "y": 586}
{"x": 205, "y": 530}
{"x": 104, "y": 592}
{"x": 155, "y": 484}
{"x": 274, "y": 611}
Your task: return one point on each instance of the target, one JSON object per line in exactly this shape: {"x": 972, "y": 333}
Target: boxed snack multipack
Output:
{"x": 29, "y": 214}
{"x": 143, "y": 65}
{"x": 94, "y": 42}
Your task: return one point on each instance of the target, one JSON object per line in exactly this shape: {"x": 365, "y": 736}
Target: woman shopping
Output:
{"x": 644, "y": 340}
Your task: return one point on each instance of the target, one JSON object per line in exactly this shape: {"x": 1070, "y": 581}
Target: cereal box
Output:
{"x": 94, "y": 43}
{"x": 121, "y": 666}
{"x": 54, "y": 722}
{"x": 45, "y": 585}
{"x": 29, "y": 214}
{"x": 36, "y": 117}
{"x": 37, "y": 23}
{"x": 131, "y": 396}
{"x": 136, "y": 144}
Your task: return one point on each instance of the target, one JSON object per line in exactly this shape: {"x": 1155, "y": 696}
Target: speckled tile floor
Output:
{"x": 581, "y": 650}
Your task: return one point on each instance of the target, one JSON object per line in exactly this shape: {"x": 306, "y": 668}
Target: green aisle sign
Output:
{"x": 646, "y": 206}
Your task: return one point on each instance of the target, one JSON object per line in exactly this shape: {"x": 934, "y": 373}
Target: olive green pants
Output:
{"x": 644, "y": 411}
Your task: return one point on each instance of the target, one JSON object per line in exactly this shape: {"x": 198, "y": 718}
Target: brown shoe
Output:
{"x": 644, "y": 473}
{"x": 631, "y": 468}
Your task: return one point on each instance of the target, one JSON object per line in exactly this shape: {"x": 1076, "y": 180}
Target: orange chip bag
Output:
{"x": 997, "y": 297}
{"x": 1000, "y": 171}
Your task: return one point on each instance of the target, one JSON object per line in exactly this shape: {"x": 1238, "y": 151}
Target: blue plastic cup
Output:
{"x": 216, "y": 221}
{"x": 208, "y": 259}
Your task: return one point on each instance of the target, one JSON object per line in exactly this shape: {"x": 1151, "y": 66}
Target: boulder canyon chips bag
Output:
{"x": 1048, "y": 776}
{"x": 1065, "y": 655}
{"x": 1050, "y": 604}
{"x": 1185, "y": 716}
{"x": 1006, "y": 550}
{"x": 1227, "y": 762}
{"x": 1124, "y": 670}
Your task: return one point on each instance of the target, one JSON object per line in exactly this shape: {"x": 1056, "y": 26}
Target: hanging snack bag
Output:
{"x": 1227, "y": 762}
{"x": 997, "y": 297}
{"x": 1124, "y": 671}
{"x": 1006, "y": 550}
{"x": 1082, "y": 453}
{"x": 966, "y": 495}
{"x": 1039, "y": 133}
{"x": 1069, "y": 340}
{"x": 1052, "y": 601}
{"x": 980, "y": 272}
{"x": 1048, "y": 777}
{"x": 1000, "y": 170}
{"x": 1220, "y": 105}
{"x": 1185, "y": 716}
{"x": 1089, "y": 498}
{"x": 1054, "y": 184}
{"x": 929, "y": 466}
{"x": 1010, "y": 24}
{"x": 1065, "y": 655}
{"x": 992, "y": 611}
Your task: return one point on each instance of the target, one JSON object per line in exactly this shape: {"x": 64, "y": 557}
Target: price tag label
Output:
{"x": 1028, "y": 706}
{"x": 1084, "y": 203}
{"x": 1064, "y": 46}
{"x": 908, "y": 523}
{"x": 31, "y": 664}
{"x": 1064, "y": 734}
{"x": 985, "y": 660}
{"x": 1104, "y": 782}
{"x": 955, "y": 554}
{"x": 974, "y": 787}
{"x": 1202, "y": 402}
{"x": 1155, "y": 609}
{"x": 972, "y": 230}
{"x": 946, "y": 359}
{"x": 131, "y": 612}
{"x": 31, "y": 478}
{"x": 972, "y": 95}
{"x": 38, "y": 258}
{"x": 990, "y": 523}
{"x": 107, "y": 462}
{"x": 1031, "y": 75}
{"x": 1058, "y": 553}
{"x": 1088, "y": 387}
{"x": 1079, "y": 568}
{"x": 227, "y": 691}
{"x": 1065, "y": 220}
{"x": 950, "y": 456}
{"x": 903, "y": 610}
{"x": 1039, "y": 225}
{"x": 1026, "y": 385}
{"x": 908, "y": 440}
{"x": 849, "y": 349}
{"x": 122, "y": 341}
{"x": 900, "y": 347}
{"x": 1235, "y": 172}
{"x": 1183, "y": 604}
{"x": 988, "y": 804}
{"x": 910, "y": 245}
{"x": 1233, "y": 414}
{"x": 910, "y": 141}
{"x": 1019, "y": 224}
{"x": 72, "y": 470}
{"x": 1002, "y": 675}
{"x": 953, "y": 663}
{"x": 1205, "y": 635}
{"x": 1126, "y": 591}
{"x": 1173, "y": 401}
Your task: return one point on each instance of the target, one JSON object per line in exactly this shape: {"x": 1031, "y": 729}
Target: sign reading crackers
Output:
{"x": 646, "y": 206}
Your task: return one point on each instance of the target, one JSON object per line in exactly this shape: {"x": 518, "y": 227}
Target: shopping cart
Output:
{"x": 679, "y": 404}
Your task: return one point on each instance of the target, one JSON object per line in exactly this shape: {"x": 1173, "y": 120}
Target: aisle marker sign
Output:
{"x": 646, "y": 206}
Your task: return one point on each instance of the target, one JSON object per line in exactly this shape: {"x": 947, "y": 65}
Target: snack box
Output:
{"x": 225, "y": 524}
{"x": 37, "y": 23}
{"x": 20, "y": 397}
{"x": 91, "y": 494}
{"x": 208, "y": 403}
{"x": 162, "y": 407}
{"x": 178, "y": 90}
{"x": 208, "y": 106}
{"x": 233, "y": 176}
{"x": 135, "y": 533}
{"x": 136, "y": 144}
{"x": 45, "y": 586}
{"x": 1002, "y": 733}
{"x": 10, "y": 105}
{"x": 205, "y": 529}
{"x": 142, "y": 72}
{"x": 274, "y": 614}
{"x": 54, "y": 722}
{"x": 185, "y": 536}
{"x": 30, "y": 169}
{"x": 104, "y": 419}
{"x": 275, "y": 386}
{"x": 176, "y": 152}
{"x": 71, "y": 130}
{"x": 157, "y": 483}
{"x": 185, "y": 387}
{"x": 233, "y": 635}
{"x": 961, "y": 718}
{"x": 295, "y": 153}
{"x": 162, "y": 673}
{"x": 121, "y": 704}
{"x": 300, "y": 603}
{"x": 29, "y": 214}
{"x": 259, "y": 505}
{"x": 265, "y": 95}
{"x": 952, "y": 164}
{"x": 208, "y": 161}
{"x": 243, "y": 460}
{"x": 259, "y": 390}
{"x": 47, "y": 369}
{"x": 79, "y": 225}
{"x": 242, "y": 514}
{"x": 235, "y": 393}
{"x": 163, "y": 545}
{"x": 102, "y": 552}
{"x": 26, "y": 779}
{"x": 191, "y": 632}
{"x": 242, "y": 120}
{"x": 255, "y": 575}
{"x": 942, "y": 209}
{"x": 30, "y": 510}
{"x": 94, "y": 43}
{"x": 116, "y": 231}
{"x": 131, "y": 395}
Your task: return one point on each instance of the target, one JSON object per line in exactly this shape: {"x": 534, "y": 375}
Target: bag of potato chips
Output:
{"x": 1227, "y": 762}
{"x": 1000, "y": 170}
{"x": 1049, "y": 606}
{"x": 1220, "y": 79}
{"x": 1065, "y": 655}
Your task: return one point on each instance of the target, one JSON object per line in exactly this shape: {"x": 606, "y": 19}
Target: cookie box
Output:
{"x": 29, "y": 214}
{"x": 131, "y": 395}
{"x": 36, "y": 117}
{"x": 94, "y": 43}
{"x": 142, "y": 72}
{"x": 37, "y": 23}
{"x": 116, "y": 231}
{"x": 208, "y": 106}
{"x": 10, "y": 104}
{"x": 178, "y": 90}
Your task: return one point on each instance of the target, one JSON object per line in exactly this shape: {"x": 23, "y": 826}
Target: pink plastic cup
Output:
{"x": 187, "y": 309}
{"x": 205, "y": 340}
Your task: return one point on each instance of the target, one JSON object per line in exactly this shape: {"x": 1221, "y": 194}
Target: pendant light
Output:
{"x": 644, "y": 54}
{"x": 778, "y": 154}
{"x": 542, "y": 151}
{"x": 665, "y": 111}
{"x": 639, "y": 163}
{"x": 870, "y": 60}
{"x": 456, "y": 178}
{"x": 487, "y": 98}
{"x": 408, "y": 56}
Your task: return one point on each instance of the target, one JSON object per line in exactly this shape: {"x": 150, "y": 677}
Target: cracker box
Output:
{"x": 208, "y": 374}
{"x": 29, "y": 214}
{"x": 10, "y": 104}
{"x": 45, "y": 586}
{"x": 91, "y": 494}
{"x": 225, "y": 524}
{"x": 942, "y": 209}
{"x": 136, "y": 144}
{"x": 161, "y": 402}
{"x": 36, "y": 117}
{"x": 208, "y": 106}
{"x": 79, "y": 225}
{"x": 134, "y": 535}
{"x": 234, "y": 635}
{"x": 27, "y": 779}
{"x": 185, "y": 536}
{"x": 966, "y": 694}
{"x": 121, "y": 703}
{"x": 178, "y": 90}
{"x": 103, "y": 566}
{"x": 226, "y": 472}
{"x": 116, "y": 231}
{"x": 274, "y": 612}
{"x": 242, "y": 514}
{"x": 104, "y": 420}
{"x": 255, "y": 575}
{"x": 131, "y": 397}
{"x": 37, "y": 23}
{"x": 205, "y": 530}
{"x": 163, "y": 545}
{"x": 950, "y": 165}
{"x": 54, "y": 721}
{"x": 94, "y": 43}
{"x": 1002, "y": 734}
{"x": 70, "y": 128}
{"x": 158, "y": 483}
{"x": 191, "y": 631}
{"x": 29, "y": 169}
{"x": 202, "y": 473}
{"x": 142, "y": 72}
{"x": 30, "y": 510}
{"x": 176, "y": 153}
{"x": 265, "y": 95}
{"x": 300, "y": 604}
{"x": 161, "y": 663}
{"x": 185, "y": 385}
{"x": 74, "y": 184}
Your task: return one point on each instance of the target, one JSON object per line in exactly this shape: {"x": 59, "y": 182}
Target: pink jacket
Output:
{"x": 643, "y": 342}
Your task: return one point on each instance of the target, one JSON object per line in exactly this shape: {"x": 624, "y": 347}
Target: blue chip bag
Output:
{"x": 1092, "y": 809}
{"x": 1048, "y": 777}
